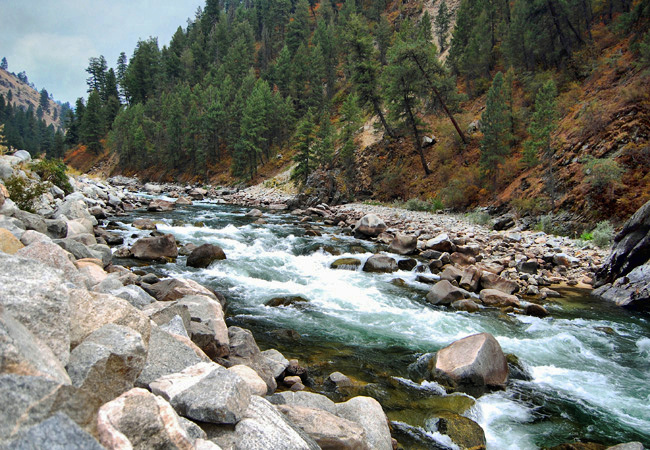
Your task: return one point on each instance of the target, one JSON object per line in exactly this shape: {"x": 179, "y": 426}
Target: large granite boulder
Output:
{"x": 54, "y": 256}
{"x": 89, "y": 311}
{"x": 369, "y": 226}
{"x": 493, "y": 281}
{"x": 35, "y": 295}
{"x": 56, "y": 432}
{"x": 368, "y": 413}
{"x": 159, "y": 205}
{"x": 403, "y": 244}
{"x": 440, "y": 243}
{"x": 495, "y": 297}
{"x": 328, "y": 430}
{"x": 380, "y": 264}
{"x": 207, "y": 326}
{"x": 444, "y": 293}
{"x": 139, "y": 420}
{"x": 255, "y": 383}
{"x": 263, "y": 427}
{"x": 133, "y": 294}
{"x": 108, "y": 361}
{"x": 203, "y": 255}
{"x": 472, "y": 364}
{"x": 24, "y": 354}
{"x": 31, "y": 221}
{"x": 306, "y": 399}
{"x": 206, "y": 392}
{"x": 160, "y": 248}
{"x": 624, "y": 279}
{"x": 175, "y": 288}
{"x": 168, "y": 353}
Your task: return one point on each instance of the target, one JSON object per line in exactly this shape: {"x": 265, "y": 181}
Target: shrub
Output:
{"x": 479, "y": 217}
{"x": 586, "y": 236}
{"x": 602, "y": 172}
{"x": 603, "y": 234}
{"x": 24, "y": 191}
{"x": 53, "y": 171}
{"x": 532, "y": 206}
{"x": 415, "y": 204}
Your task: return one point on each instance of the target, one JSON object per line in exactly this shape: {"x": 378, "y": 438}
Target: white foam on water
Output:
{"x": 504, "y": 422}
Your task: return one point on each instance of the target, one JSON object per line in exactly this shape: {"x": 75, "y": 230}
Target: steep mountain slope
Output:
{"x": 25, "y": 96}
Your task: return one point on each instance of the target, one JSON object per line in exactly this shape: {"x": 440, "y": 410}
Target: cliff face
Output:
{"x": 24, "y": 96}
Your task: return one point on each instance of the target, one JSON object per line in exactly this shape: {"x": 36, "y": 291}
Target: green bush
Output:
{"x": 24, "y": 191}
{"x": 602, "y": 172}
{"x": 586, "y": 236}
{"x": 603, "y": 234}
{"x": 54, "y": 171}
{"x": 548, "y": 225}
{"x": 479, "y": 217}
{"x": 415, "y": 204}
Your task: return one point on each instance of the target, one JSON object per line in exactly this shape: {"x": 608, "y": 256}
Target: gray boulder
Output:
{"x": 163, "y": 312}
{"x": 133, "y": 294}
{"x": 59, "y": 432}
{"x": 23, "y": 155}
{"x": 140, "y": 420}
{"x": 630, "y": 291}
{"x": 328, "y": 430}
{"x": 108, "y": 361}
{"x": 205, "y": 392}
{"x": 441, "y": 243}
{"x": 472, "y": 364}
{"x": 207, "y": 327}
{"x": 370, "y": 225}
{"x": 35, "y": 295}
{"x": 89, "y": 311}
{"x": 160, "y": 248}
{"x": 54, "y": 256}
{"x": 306, "y": 399}
{"x": 168, "y": 354}
{"x": 32, "y": 236}
{"x": 22, "y": 353}
{"x": 380, "y": 264}
{"x": 13, "y": 225}
{"x": 31, "y": 221}
{"x": 263, "y": 427}
{"x": 78, "y": 250}
{"x": 368, "y": 413}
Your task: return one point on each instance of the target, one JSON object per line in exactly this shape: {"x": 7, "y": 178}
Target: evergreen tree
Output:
{"x": 3, "y": 64}
{"x": 298, "y": 28}
{"x": 92, "y": 126}
{"x": 406, "y": 86}
{"x": 122, "y": 66}
{"x": 442, "y": 22}
{"x": 97, "y": 69}
{"x": 383, "y": 36}
{"x": 44, "y": 100}
{"x": 350, "y": 119}
{"x": 365, "y": 69}
{"x": 249, "y": 148}
{"x": 324, "y": 146}
{"x": 496, "y": 131}
{"x": 304, "y": 139}
{"x": 541, "y": 127}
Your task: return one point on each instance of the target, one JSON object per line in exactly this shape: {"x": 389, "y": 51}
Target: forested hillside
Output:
{"x": 30, "y": 120}
{"x": 543, "y": 103}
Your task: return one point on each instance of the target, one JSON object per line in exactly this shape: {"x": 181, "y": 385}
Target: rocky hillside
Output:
{"x": 25, "y": 96}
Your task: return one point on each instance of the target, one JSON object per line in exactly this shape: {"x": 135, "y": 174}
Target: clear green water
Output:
{"x": 590, "y": 362}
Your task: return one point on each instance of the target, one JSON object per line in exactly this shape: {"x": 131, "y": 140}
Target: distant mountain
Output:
{"x": 24, "y": 96}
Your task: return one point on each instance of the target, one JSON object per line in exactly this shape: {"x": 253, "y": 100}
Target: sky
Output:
{"x": 52, "y": 40}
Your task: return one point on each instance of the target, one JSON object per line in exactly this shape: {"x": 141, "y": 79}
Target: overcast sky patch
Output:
{"x": 52, "y": 40}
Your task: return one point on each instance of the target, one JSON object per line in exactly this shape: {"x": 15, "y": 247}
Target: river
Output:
{"x": 589, "y": 363}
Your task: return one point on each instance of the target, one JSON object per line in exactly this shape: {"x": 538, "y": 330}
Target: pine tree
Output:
{"x": 298, "y": 28}
{"x": 324, "y": 147}
{"x": 44, "y": 100}
{"x": 97, "y": 69}
{"x": 442, "y": 22}
{"x": 3, "y": 64}
{"x": 496, "y": 131}
{"x": 383, "y": 36}
{"x": 350, "y": 119}
{"x": 122, "y": 66}
{"x": 541, "y": 127}
{"x": 92, "y": 126}
{"x": 406, "y": 86}
{"x": 304, "y": 139}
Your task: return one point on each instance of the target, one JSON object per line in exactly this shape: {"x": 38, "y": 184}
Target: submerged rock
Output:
{"x": 346, "y": 263}
{"x": 463, "y": 432}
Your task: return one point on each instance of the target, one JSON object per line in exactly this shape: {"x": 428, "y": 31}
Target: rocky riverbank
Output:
{"x": 94, "y": 354}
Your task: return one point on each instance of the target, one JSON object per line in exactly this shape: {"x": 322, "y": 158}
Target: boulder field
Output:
{"x": 93, "y": 355}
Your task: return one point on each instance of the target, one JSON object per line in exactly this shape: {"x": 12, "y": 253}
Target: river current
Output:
{"x": 589, "y": 363}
